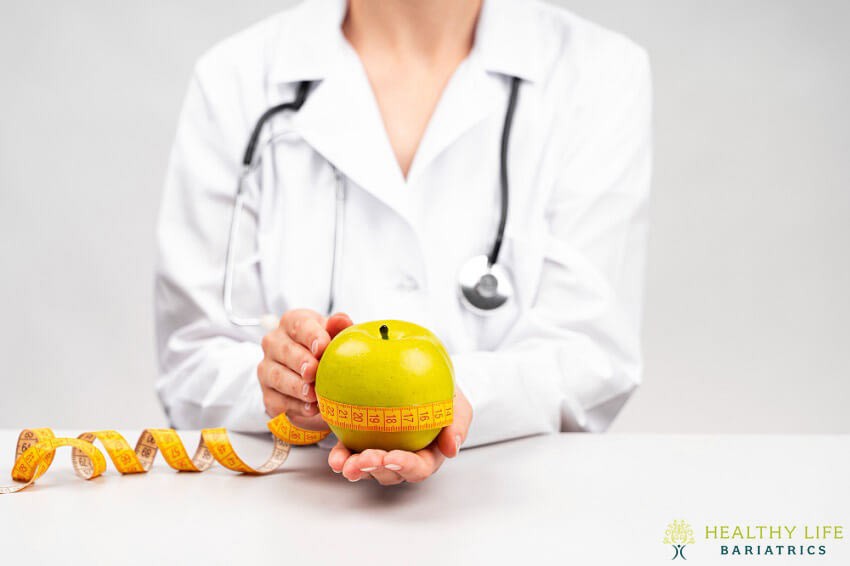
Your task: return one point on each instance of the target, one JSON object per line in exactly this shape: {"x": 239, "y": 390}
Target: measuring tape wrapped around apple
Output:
{"x": 382, "y": 384}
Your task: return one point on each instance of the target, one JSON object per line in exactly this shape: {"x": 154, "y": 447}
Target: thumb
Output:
{"x": 337, "y": 323}
{"x": 451, "y": 438}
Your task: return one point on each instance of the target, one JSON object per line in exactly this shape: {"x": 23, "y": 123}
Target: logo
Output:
{"x": 762, "y": 539}
{"x": 679, "y": 534}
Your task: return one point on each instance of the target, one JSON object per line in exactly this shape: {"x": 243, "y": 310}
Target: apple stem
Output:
{"x": 385, "y": 332}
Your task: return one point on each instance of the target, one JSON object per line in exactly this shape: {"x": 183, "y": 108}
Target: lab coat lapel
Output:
{"x": 506, "y": 45}
{"x": 341, "y": 119}
{"x": 471, "y": 95}
{"x": 342, "y": 122}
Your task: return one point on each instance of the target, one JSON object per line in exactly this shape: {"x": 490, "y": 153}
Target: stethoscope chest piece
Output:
{"x": 484, "y": 287}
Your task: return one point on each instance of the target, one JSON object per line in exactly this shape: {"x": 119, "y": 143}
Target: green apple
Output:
{"x": 385, "y": 363}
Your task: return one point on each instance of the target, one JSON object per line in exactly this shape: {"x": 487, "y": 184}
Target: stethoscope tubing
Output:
{"x": 249, "y": 164}
{"x": 493, "y": 256}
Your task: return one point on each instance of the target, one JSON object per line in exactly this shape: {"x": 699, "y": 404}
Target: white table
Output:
{"x": 568, "y": 499}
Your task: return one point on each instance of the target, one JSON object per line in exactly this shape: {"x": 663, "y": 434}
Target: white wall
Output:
{"x": 747, "y": 303}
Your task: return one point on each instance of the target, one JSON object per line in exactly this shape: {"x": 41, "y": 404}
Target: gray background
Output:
{"x": 747, "y": 299}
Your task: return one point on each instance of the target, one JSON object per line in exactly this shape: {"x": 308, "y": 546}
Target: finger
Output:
{"x": 336, "y": 459}
{"x": 351, "y": 469}
{"x": 414, "y": 467}
{"x": 408, "y": 465}
{"x": 301, "y": 408}
{"x": 283, "y": 380}
{"x": 284, "y": 350}
{"x": 277, "y": 403}
{"x": 274, "y": 402}
{"x": 308, "y": 329}
{"x": 337, "y": 323}
{"x": 316, "y": 422}
{"x": 371, "y": 460}
{"x": 387, "y": 477}
{"x": 451, "y": 438}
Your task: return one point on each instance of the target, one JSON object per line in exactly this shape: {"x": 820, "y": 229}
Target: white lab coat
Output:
{"x": 564, "y": 355}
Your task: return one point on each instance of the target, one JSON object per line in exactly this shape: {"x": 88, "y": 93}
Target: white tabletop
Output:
{"x": 566, "y": 499}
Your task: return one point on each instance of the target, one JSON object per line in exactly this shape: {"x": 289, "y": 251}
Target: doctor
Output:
{"x": 370, "y": 195}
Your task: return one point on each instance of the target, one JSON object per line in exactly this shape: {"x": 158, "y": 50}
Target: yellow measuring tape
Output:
{"x": 37, "y": 446}
{"x": 387, "y": 419}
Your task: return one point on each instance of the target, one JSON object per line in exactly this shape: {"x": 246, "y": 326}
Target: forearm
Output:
{"x": 557, "y": 381}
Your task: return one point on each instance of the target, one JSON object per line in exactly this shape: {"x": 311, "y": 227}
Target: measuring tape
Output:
{"x": 37, "y": 446}
{"x": 387, "y": 419}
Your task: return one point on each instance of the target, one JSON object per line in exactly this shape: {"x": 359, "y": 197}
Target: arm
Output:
{"x": 207, "y": 366}
{"x": 572, "y": 359}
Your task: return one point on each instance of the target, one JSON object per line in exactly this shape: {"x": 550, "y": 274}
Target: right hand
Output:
{"x": 291, "y": 354}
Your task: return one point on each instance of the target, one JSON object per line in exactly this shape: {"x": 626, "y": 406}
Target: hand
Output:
{"x": 291, "y": 355}
{"x": 396, "y": 466}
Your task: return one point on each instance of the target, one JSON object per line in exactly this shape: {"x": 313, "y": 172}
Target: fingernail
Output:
{"x": 314, "y": 347}
{"x": 308, "y": 407}
{"x": 371, "y": 469}
{"x": 457, "y": 443}
{"x": 303, "y": 369}
{"x": 336, "y": 471}
{"x": 393, "y": 467}
{"x": 305, "y": 389}
{"x": 352, "y": 481}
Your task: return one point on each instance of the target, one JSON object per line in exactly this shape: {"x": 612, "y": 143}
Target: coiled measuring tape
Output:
{"x": 36, "y": 447}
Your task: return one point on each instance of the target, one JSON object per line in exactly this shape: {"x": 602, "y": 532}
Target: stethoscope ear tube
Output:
{"x": 268, "y": 321}
{"x": 230, "y": 254}
{"x": 339, "y": 236}
{"x": 493, "y": 257}
{"x": 294, "y": 105}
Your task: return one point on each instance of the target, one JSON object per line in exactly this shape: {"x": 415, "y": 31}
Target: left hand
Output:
{"x": 396, "y": 466}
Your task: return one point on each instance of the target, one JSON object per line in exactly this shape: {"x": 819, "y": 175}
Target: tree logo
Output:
{"x": 678, "y": 535}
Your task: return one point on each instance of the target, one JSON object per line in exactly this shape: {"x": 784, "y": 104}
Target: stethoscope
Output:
{"x": 484, "y": 285}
